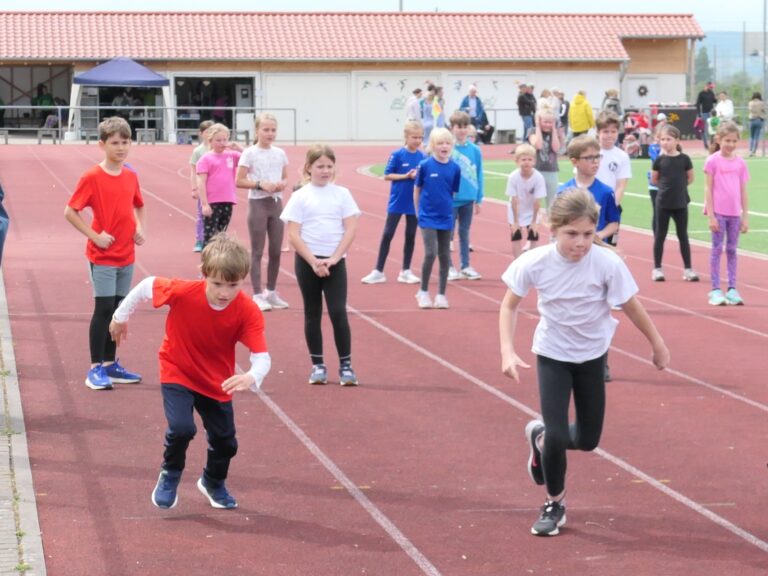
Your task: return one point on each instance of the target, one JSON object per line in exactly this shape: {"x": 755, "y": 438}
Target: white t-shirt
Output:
{"x": 320, "y": 210}
{"x": 264, "y": 164}
{"x": 574, "y": 299}
{"x": 526, "y": 191}
{"x": 614, "y": 166}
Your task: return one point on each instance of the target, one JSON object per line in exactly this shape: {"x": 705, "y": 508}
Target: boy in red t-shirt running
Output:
{"x": 197, "y": 362}
{"x": 111, "y": 190}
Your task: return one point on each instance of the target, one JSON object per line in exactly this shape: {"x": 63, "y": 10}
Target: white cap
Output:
{"x": 661, "y": 116}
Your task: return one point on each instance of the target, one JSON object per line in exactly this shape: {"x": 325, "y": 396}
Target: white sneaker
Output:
{"x": 273, "y": 299}
{"x": 423, "y": 299}
{"x": 408, "y": 277}
{"x": 262, "y": 303}
{"x": 375, "y": 277}
{"x": 453, "y": 274}
{"x": 657, "y": 275}
{"x": 441, "y": 302}
{"x": 470, "y": 273}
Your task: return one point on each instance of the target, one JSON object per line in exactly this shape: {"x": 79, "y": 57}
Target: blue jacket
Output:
{"x": 479, "y": 111}
{"x": 470, "y": 160}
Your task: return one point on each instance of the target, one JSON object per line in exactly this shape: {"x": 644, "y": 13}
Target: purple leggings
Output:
{"x": 199, "y": 236}
{"x": 730, "y": 227}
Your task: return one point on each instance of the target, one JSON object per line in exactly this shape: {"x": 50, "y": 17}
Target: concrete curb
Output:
{"x": 21, "y": 544}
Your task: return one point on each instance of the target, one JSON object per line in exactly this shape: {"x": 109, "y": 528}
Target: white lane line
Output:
{"x": 379, "y": 517}
{"x": 636, "y": 472}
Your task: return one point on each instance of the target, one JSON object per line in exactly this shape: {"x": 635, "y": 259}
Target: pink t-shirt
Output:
{"x": 728, "y": 177}
{"x": 222, "y": 171}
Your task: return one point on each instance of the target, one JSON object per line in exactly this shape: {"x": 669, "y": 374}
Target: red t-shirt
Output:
{"x": 112, "y": 200}
{"x": 198, "y": 350}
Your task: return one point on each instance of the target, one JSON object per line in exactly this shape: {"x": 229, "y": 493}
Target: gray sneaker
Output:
{"x": 347, "y": 376}
{"x": 319, "y": 374}
{"x": 550, "y": 521}
{"x": 533, "y": 430}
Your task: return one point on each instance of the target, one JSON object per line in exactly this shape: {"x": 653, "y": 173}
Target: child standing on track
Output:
{"x": 216, "y": 172}
{"x": 197, "y": 366}
{"x": 615, "y": 168}
{"x": 725, "y": 204}
{"x": 198, "y": 153}
{"x": 468, "y": 199}
{"x": 545, "y": 139}
{"x": 401, "y": 171}
{"x": 672, "y": 173}
{"x": 437, "y": 181}
{"x": 577, "y": 284}
{"x": 322, "y": 221}
{"x": 525, "y": 188}
{"x": 263, "y": 171}
{"x": 112, "y": 193}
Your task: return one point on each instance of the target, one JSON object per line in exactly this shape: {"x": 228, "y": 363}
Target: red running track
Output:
{"x": 421, "y": 470}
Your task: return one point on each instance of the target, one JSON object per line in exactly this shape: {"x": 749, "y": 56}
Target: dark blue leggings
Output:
{"x": 557, "y": 380}
{"x": 390, "y": 227}
{"x": 218, "y": 419}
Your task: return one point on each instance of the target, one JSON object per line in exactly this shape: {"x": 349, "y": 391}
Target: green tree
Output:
{"x": 704, "y": 71}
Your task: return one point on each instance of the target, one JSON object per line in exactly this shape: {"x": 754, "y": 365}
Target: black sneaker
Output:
{"x": 550, "y": 521}
{"x": 217, "y": 493}
{"x": 533, "y": 430}
{"x": 164, "y": 495}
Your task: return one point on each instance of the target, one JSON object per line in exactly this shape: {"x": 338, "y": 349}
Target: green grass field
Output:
{"x": 637, "y": 205}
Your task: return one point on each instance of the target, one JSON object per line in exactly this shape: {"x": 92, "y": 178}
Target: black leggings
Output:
{"x": 335, "y": 289}
{"x": 680, "y": 216}
{"x": 390, "y": 227}
{"x": 103, "y": 349}
{"x": 557, "y": 380}
{"x": 437, "y": 244}
{"x": 218, "y": 221}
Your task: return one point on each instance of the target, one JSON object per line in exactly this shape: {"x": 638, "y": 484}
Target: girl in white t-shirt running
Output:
{"x": 577, "y": 285}
{"x": 263, "y": 171}
{"x": 321, "y": 218}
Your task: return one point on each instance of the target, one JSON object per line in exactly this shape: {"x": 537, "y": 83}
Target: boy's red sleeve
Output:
{"x": 81, "y": 197}
{"x": 162, "y": 291}
{"x": 138, "y": 199}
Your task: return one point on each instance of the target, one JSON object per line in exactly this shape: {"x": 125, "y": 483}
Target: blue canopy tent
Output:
{"x": 119, "y": 71}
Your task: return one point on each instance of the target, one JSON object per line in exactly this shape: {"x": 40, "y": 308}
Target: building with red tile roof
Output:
{"x": 347, "y": 75}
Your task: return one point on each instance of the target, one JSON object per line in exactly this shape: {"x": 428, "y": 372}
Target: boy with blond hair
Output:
{"x": 467, "y": 202}
{"x": 111, "y": 191}
{"x": 197, "y": 362}
{"x": 526, "y": 187}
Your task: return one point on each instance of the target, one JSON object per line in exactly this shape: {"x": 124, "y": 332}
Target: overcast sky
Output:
{"x": 711, "y": 14}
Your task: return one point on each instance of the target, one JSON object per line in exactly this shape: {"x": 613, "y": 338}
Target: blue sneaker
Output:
{"x": 119, "y": 375}
{"x": 733, "y": 298}
{"x": 216, "y": 493}
{"x": 164, "y": 495}
{"x": 97, "y": 378}
{"x": 716, "y": 298}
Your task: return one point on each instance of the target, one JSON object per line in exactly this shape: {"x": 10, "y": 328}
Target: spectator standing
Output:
{"x": 705, "y": 103}
{"x": 413, "y": 106}
{"x": 580, "y": 115}
{"x": 526, "y": 106}
{"x": 756, "y": 110}
{"x": 724, "y": 106}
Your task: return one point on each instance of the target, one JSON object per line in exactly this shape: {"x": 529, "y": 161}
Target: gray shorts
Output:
{"x": 110, "y": 280}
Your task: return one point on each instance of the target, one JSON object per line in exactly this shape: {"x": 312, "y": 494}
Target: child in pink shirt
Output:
{"x": 725, "y": 204}
{"x": 217, "y": 171}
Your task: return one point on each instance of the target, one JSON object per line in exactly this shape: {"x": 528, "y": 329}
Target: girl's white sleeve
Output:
{"x": 140, "y": 293}
{"x": 261, "y": 362}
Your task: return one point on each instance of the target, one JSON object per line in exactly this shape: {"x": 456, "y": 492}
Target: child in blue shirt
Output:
{"x": 401, "y": 171}
{"x": 469, "y": 158}
{"x": 584, "y": 153}
{"x": 437, "y": 181}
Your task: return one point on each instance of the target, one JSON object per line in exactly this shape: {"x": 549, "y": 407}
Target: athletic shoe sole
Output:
{"x": 94, "y": 387}
{"x": 213, "y": 502}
